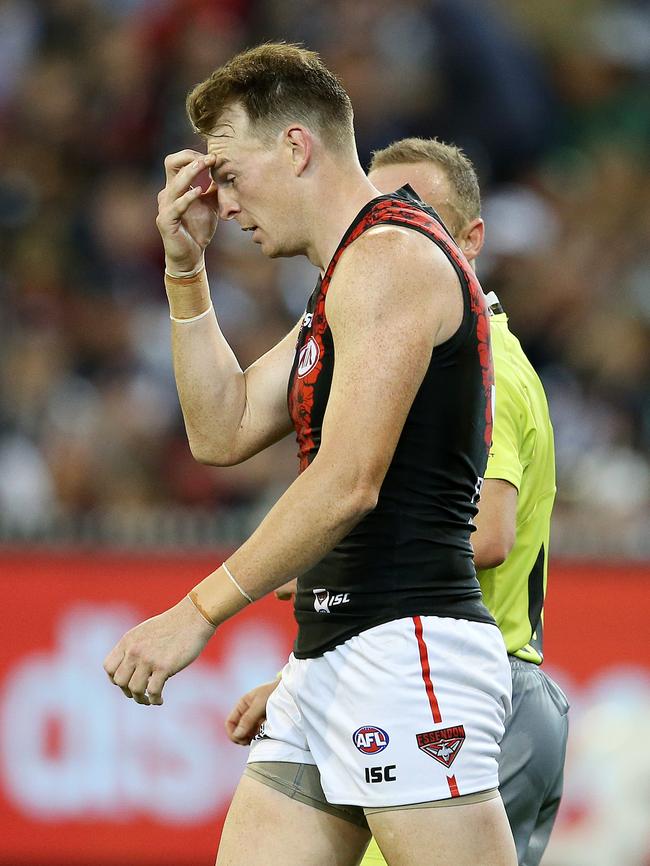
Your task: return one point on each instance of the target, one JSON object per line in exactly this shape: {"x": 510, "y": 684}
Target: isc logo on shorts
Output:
{"x": 370, "y": 740}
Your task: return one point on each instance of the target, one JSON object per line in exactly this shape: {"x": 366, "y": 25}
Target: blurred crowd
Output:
{"x": 549, "y": 98}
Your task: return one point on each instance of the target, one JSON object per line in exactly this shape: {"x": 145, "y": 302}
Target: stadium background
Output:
{"x": 104, "y": 516}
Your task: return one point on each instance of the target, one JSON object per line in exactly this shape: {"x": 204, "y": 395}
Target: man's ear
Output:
{"x": 471, "y": 238}
{"x": 301, "y": 143}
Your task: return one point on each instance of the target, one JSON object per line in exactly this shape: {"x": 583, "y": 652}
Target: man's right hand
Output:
{"x": 244, "y": 721}
{"x": 187, "y": 213}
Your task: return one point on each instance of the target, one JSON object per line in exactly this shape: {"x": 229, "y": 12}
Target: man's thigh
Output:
{"x": 454, "y": 835}
{"x": 264, "y": 827}
{"x": 532, "y": 759}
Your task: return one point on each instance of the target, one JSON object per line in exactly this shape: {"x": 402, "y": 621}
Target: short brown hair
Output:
{"x": 458, "y": 168}
{"x": 275, "y": 83}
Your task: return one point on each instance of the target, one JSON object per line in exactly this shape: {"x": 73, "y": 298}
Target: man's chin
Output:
{"x": 276, "y": 250}
{"x": 272, "y": 251}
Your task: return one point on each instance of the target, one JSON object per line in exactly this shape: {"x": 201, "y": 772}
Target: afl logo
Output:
{"x": 370, "y": 740}
{"x": 308, "y": 357}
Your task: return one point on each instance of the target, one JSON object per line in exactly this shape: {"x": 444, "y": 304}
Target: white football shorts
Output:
{"x": 410, "y": 711}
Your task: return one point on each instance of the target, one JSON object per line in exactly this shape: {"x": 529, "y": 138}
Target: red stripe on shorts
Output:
{"x": 426, "y": 671}
{"x": 453, "y": 787}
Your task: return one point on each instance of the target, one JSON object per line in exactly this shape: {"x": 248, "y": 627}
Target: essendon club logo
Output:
{"x": 308, "y": 357}
{"x": 442, "y": 745}
{"x": 261, "y": 733}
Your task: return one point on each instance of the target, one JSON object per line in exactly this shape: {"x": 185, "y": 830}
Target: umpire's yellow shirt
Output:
{"x": 522, "y": 453}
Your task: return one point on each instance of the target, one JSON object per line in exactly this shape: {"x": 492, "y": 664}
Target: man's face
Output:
{"x": 429, "y": 182}
{"x": 253, "y": 178}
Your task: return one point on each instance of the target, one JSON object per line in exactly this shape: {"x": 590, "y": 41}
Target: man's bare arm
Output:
{"x": 394, "y": 297}
{"x": 229, "y": 414}
{"x": 496, "y": 523}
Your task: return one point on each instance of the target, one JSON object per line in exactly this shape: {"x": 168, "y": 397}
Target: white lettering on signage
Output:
{"x": 72, "y": 746}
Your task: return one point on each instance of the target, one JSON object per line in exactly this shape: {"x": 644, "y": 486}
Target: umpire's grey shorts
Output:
{"x": 531, "y": 766}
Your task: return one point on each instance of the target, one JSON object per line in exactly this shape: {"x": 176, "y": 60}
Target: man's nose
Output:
{"x": 228, "y": 206}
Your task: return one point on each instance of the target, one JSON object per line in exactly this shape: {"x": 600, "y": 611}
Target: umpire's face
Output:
{"x": 430, "y": 182}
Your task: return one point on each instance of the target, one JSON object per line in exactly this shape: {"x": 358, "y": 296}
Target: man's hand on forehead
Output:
{"x": 197, "y": 170}
{"x": 187, "y": 209}
{"x": 205, "y": 178}
{"x": 176, "y": 162}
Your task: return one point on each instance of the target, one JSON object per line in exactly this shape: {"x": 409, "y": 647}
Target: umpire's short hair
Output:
{"x": 458, "y": 169}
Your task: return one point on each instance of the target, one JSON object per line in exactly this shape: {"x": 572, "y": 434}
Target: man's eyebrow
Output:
{"x": 229, "y": 134}
{"x": 218, "y": 166}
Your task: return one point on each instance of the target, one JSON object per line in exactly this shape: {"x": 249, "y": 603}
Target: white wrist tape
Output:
{"x": 193, "y": 318}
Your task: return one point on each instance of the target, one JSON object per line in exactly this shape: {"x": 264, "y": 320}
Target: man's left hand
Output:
{"x": 144, "y": 659}
{"x": 287, "y": 592}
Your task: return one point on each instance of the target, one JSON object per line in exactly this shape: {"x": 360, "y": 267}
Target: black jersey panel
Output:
{"x": 412, "y": 554}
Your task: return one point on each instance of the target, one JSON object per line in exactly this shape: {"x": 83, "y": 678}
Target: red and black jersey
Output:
{"x": 412, "y": 554}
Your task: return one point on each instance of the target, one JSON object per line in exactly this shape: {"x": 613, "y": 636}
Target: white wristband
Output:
{"x": 193, "y": 318}
{"x": 243, "y": 591}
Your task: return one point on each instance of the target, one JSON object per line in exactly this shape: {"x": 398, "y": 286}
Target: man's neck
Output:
{"x": 339, "y": 197}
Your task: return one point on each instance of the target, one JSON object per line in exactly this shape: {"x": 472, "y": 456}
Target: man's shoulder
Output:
{"x": 388, "y": 236}
{"x": 392, "y": 249}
